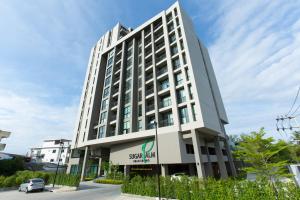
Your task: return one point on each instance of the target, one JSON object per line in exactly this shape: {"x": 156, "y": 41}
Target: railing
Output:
{"x": 165, "y": 103}
{"x": 162, "y": 71}
{"x": 149, "y": 91}
{"x": 150, "y": 107}
{"x": 166, "y": 122}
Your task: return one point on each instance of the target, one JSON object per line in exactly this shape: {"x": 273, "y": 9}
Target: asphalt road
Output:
{"x": 90, "y": 191}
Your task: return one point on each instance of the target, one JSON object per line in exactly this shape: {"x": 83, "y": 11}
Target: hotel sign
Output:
{"x": 146, "y": 152}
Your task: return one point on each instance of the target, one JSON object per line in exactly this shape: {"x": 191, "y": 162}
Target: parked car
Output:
{"x": 177, "y": 176}
{"x": 35, "y": 184}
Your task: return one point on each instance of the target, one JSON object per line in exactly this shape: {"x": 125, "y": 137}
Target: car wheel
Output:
{"x": 26, "y": 190}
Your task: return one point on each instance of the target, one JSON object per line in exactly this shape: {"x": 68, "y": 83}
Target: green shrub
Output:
{"x": 109, "y": 181}
{"x": 65, "y": 179}
{"x": 192, "y": 188}
{"x": 9, "y": 167}
{"x": 9, "y": 181}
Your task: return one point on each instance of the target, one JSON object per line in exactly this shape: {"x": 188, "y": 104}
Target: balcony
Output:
{"x": 148, "y": 64}
{"x": 149, "y": 76}
{"x": 150, "y": 107}
{"x": 162, "y": 71}
{"x": 149, "y": 91}
{"x": 159, "y": 45}
{"x": 160, "y": 57}
{"x": 166, "y": 122}
{"x": 165, "y": 103}
{"x": 156, "y": 26}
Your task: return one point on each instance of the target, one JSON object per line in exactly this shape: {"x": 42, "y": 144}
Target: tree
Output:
{"x": 261, "y": 155}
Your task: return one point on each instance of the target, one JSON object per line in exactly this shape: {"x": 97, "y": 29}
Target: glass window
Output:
{"x": 171, "y": 27}
{"x": 176, "y": 63}
{"x": 189, "y": 149}
{"x": 140, "y": 96}
{"x": 178, "y": 79}
{"x": 127, "y": 98}
{"x": 109, "y": 62}
{"x": 104, "y": 104}
{"x": 172, "y": 38}
{"x": 183, "y": 114}
{"x": 54, "y": 151}
{"x": 108, "y": 71}
{"x": 128, "y": 85}
{"x": 107, "y": 81}
{"x": 164, "y": 84}
{"x": 105, "y": 92}
{"x": 174, "y": 50}
{"x": 127, "y": 111}
{"x": 184, "y": 58}
{"x": 191, "y": 92}
{"x": 194, "y": 113}
{"x": 187, "y": 73}
{"x": 140, "y": 126}
{"x": 177, "y": 21}
{"x": 181, "y": 96}
{"x": 140, "y": 82}
{"x": 129, "y": 62}
{"x": 166, "y": 101}
{"x": 103, "y": 117}
{"x": 179, "y": 32}
{"x": 128, "y": 73}
{"x": 129, "y": 52}
{"x": 140, "y": 111}
{"x": 181, "y": 45}
{"x": 126, "y": 127}
{"x": 101, "y": 131}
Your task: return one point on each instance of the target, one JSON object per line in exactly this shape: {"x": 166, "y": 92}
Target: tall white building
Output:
{"x": 3, "y": 134}
{"x": 52, "y": 151}
{"x": 158, "y": 72}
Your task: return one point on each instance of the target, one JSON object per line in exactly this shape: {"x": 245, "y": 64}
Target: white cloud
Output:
{"x": 256, "y": 58}
{"x": 31, "y": 121}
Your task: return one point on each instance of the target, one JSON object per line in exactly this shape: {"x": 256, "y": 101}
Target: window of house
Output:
{"x": 189, "y": 149}
{"x": 62, "y": 150}
{"x": 108, "y": 71}
{"x": 105, "y": 92}
{"x": 104, "y": 104}
{"x": 178, "y": 79}
{"x": 103, "y": 117}
{"x": 53, "y": 151}
{"x": 179, "y": 32}
{"x": 191, "y": 92}
{"x": 181, "y": 96}
{"x": 166, "y": 119}
{"x": 183, "y": 114}
{"x": 129, "y": 62}
{"x": 140, "y": 111}
{"x": 164, "y": 84}
{"x": 109, "y": 62}
{"x": 128, "y": 73}
{"x": 127, "y": 111}
{"x": 101, "y": 131}
{"x": 128, "y": 84}
{"x": 140, "y": 95}
{"x": 127, "y": 98}
{"x": 126, "y": 127}
{"x": 194, "y": 113}
{"x": 107, "y": 81}
{"x": 211, "y": 151}
{"x": 171, "y": 27}
{"x": 187, "y": 73}
{"x": 174, "y": 50}
{"x": 172, "y": 38}
{"x": 140, "y": 126}
{"x": 51, "y": 160}
{"x": 176, "y": 63}
{"x": 184, "y": 58}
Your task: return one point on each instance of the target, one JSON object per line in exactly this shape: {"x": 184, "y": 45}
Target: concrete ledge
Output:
{"x": 61, "y": 188}
{"x": 136, "y": 197}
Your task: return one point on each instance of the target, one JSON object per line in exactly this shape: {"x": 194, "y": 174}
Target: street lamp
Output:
{"x": 157, "y": 159}
{"x": 61, "y": 143}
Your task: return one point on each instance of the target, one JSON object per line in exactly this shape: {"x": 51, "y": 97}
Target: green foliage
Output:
{"x": 109, "y": 181}
{"x": 9, "y": 166}
{"x": 65, "y": 179}
{"x": 192, "y": 188}
{"x": 21, "y": 176}
{"x": 262, "y": 155}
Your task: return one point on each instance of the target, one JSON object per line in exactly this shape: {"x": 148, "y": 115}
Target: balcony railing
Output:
{"x": 150, "y": 107}
{"x": 165, "y": 103}
{"x": 162, "y": 71}
{"x": 149, "y": 91}
{"x": 166, "y": 122}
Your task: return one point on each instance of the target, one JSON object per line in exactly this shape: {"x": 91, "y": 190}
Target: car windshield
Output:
{"x": 37, "y": 181}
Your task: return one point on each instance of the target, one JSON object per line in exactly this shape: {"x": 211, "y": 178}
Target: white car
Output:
{"x": 35, "y": 184}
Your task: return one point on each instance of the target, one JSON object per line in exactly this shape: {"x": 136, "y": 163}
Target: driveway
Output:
{"x": 87, "y": 190}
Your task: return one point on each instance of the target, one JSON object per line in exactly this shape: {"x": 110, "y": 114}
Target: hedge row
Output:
{"x": 109, "y": 181}
{"x": 20, "y": 176}
{"x": 196, "y": 189}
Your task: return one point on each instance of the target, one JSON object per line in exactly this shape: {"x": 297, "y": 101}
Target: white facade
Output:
{"x": 159, "y": 72}
{"x": 3, "y": 134}
{"x": 51, "y": 152}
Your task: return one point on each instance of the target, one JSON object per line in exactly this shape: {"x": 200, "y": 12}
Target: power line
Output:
{"x": 294, "y": 103}
{"x": 296, "y": 110}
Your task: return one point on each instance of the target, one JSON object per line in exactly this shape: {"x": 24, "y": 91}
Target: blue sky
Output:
{"x": 45, "y": 45}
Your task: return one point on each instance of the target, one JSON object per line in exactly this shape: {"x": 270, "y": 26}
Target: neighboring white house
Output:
{"x": 52, "y": 151}
{"x": 3, "y": 134}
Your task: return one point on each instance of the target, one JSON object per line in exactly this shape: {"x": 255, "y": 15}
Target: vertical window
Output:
{"x": 194, "y": 113}
{"x": 109, "y": 62}
{"x": 172, "y": 38}
{"x": 191, "y": 92}
{"x": 126, "y": 127}
{"x": 128, "y": 84}
{"x": 107, "y": 81}
{"x": 174, "y": 50}
{"x": 178, "y": 79}
{"x": 140, "y": 126}
{"x": 128, "y": 73}
{"x": 101, "y": 131}
{"x": 140, "y": 96}
{"x": 181, "y": 45}
{"x": 103, "y": 117}
{"x": 108, "y": 70}
{"x": 181, "y": 96}
{"x": 104, "y": 104}
{"x": 127, "y": 98}
{"x": 164, "y": 84}
{"x": 179, "y": 32}
{"x": 106, "y": 92}
{"x": 176, "y": 63}
{"x": 183, "y": 114}
{"x": 126, "y": 113}
{"x": 140, "y": 111}
{"x": 184, "y": 58}
{"x": 187, "y": 73}
{"x": 177, "y": 21}
{"x": 171, "y": 27}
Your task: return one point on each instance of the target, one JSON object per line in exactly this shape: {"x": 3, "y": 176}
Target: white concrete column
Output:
{"x": 85, "y": 159}
{"x": 198, "y": 154}
{"x": 126, "y": 170}
{"x": 220, "y": 158}
{"x": 99, "y": 167}
{"x": 164, "y": 170}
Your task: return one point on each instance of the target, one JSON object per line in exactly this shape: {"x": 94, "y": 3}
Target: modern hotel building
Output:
{"x": 158, "y": 72}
